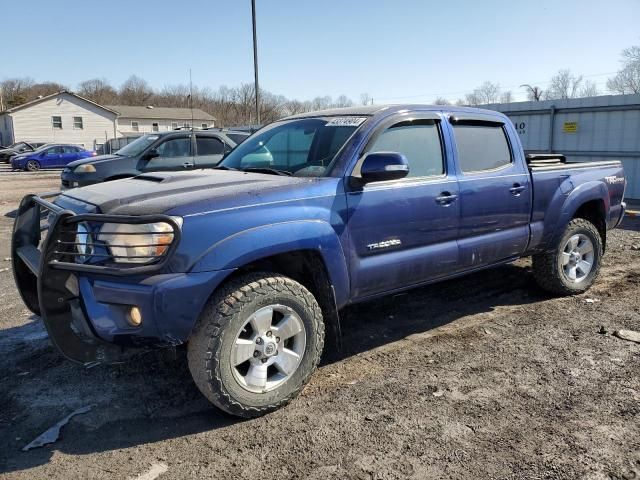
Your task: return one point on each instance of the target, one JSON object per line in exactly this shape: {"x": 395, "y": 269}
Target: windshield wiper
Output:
{"x": 268, "y": 170}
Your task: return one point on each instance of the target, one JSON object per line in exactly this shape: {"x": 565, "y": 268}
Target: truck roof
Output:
{"x": 369, "y": 110}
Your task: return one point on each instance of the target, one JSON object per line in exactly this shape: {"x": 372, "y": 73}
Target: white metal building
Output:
{"x": 584, "y": 129}
{"x": 65, "y": 117}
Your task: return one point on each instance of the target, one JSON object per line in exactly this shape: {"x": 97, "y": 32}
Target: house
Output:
{"x": 65, "y": 117}
{"x": 135, "y": 120}
{"x": 62, "y": 118}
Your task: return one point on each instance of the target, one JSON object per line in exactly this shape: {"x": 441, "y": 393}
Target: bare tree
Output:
{"x": 98, "y": 90}
{"x": 564, "y": 84}
{"x": 441, "y": 101}
{"x": 365, "y": 99}
{"x": 627, "y": 80}
{"x": 15, "y": 91}
{"x": 533, "y": 93}
{"x": 343, "y": 101}
{"x": 488, "y": 92}
{"x": 135, "y": 91}
{"x": 589, "y": 89}
{"x": 506, "y": 97}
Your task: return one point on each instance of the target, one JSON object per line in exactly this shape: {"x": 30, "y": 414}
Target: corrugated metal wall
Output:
{"x": 584, "y": 129}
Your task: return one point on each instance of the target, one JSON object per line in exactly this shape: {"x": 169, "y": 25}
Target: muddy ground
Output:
{"x": 480, "y": 377}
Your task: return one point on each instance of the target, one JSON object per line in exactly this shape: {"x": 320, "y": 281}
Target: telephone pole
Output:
{"x": 255, "y": 60}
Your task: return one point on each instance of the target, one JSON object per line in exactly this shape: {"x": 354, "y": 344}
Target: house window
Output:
{"x": 134, "y": 126}
{"x": 77, "y": 123}
{"x": 204, "y": 125}
{"x": 186, "y": 125}
{"x": 174, "y": 125}
{"x": 155, "y": 127}
{"x": 56, "y": 122}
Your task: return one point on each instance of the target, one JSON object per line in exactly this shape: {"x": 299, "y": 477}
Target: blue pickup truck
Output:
{"x": 249, "y": 262}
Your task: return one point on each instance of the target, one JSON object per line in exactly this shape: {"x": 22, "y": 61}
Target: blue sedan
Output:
{"x": 50, "y": 156}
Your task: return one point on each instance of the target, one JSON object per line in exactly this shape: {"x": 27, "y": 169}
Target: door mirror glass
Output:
{"x": 384, "y": 166}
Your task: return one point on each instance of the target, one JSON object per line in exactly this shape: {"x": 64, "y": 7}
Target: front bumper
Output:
{"x": 68, "y": 179}
{"x": 85, "y": 306}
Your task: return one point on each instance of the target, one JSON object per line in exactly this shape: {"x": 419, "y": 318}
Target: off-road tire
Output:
{"x": 547, "y": 268}
{"x": 224, "y": 314}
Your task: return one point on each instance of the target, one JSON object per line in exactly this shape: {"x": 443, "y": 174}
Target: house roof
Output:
{"x": 47, "y": 97}
{"x": 160, "y": 113}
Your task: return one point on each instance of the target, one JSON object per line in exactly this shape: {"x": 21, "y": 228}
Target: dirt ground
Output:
{"x": 480, "y": 377}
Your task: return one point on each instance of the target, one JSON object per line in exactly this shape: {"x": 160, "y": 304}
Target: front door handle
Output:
{"x": 446, "y": 198}
{"x": 517, "y": 189}
{"x": 187, "y": 165}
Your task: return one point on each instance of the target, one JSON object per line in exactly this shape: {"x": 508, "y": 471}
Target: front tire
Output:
{"x": 256, "y": 344}
{"x": 32, "y": 166}
{"x": 573, "y": 265}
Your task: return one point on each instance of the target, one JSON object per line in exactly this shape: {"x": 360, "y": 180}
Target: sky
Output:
{"x": 396, "y": 51}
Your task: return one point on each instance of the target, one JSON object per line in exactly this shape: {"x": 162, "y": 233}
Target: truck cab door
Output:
{"x": 175, "y": 153}
{"x": 403, "y": 232}
{"x": 495, "y": 192}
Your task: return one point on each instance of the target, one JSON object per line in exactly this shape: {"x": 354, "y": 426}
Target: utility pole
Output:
{"x": 255, "y": 60}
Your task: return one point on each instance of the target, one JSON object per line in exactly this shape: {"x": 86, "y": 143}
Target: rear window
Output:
{"x": 238, "y": 137}
{"x": 481, "y": 147}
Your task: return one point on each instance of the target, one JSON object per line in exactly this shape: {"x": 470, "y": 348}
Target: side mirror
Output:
{"x": 381, "y": 166}
{"x": 153, "y": 153}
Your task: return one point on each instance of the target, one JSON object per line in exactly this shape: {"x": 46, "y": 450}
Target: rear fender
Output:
{"x": 250, "y": 245}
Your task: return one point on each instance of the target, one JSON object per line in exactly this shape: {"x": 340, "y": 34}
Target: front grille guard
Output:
{"x": 60, "y": 246}
{"x": 46, "y": 278}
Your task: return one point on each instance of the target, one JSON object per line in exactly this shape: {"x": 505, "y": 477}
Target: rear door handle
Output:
{"x": 446, "y": 198}
{"x": 517, "y": 189}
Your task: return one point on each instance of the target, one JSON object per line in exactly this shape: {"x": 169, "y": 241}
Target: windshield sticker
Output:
{"x": 153, "y": 137}
{"x": 345, "y": 122}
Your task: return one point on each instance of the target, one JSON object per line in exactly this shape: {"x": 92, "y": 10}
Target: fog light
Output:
{"x": 135, "y": 316}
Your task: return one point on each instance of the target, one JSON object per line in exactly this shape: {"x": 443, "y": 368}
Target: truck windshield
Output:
{"x": 137, "y": 146}
{"x": 303, "y": 147}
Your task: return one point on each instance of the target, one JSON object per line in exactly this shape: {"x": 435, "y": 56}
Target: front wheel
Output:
{"x": 257, "y": 343}
{"x": 32, "y": 166}
{"x": 573, "y": 265}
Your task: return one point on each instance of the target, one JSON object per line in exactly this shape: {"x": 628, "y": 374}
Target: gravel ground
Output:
{"x": 481, "y": 377}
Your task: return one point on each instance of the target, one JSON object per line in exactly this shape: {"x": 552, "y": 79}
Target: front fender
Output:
{"x": 264, "y": 241}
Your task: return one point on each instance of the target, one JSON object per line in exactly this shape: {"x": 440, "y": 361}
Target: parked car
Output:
{"x": 49, "y": 156}
{"x": 17, "y": 149}
{"x": 250, "y": 263}
{"x": 174, "y": 150}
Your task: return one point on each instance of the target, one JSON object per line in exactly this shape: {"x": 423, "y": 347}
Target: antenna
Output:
{"x": 191, "y": 99}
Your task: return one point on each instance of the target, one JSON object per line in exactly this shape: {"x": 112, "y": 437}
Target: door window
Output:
{"x": 418, "y": 141}
{"x": 175, "y": 147}
{"x": 54, "y": 151}
{"x": 481, "y": 147}
{"x": 209, "y": 146}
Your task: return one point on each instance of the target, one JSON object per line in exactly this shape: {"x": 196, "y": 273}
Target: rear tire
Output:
{"x": 32, "y": 166}
{"x": 573, "y": 265}
{"x": 256, "y": 344}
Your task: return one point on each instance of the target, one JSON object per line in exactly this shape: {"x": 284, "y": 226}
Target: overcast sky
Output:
{"x": 397, "y": 51}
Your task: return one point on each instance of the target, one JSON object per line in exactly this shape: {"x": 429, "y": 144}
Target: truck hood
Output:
{"x": 183, "y": 193}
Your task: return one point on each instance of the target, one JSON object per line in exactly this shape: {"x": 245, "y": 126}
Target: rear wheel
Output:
{"x": 257, "y": 343}
{"x": 33, "y": 165}
{"x": 573, "y": 265}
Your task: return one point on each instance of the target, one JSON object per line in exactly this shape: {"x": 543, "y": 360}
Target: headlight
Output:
{"x": 86, "y": 168}
{"x": 129, "y": 243}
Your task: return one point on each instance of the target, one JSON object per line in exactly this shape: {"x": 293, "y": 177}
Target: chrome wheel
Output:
{"x": 268, "y": 348}
{"x": 577, "y": 258}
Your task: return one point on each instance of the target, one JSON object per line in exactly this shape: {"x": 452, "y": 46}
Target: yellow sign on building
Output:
{"x": 570, "y": 127}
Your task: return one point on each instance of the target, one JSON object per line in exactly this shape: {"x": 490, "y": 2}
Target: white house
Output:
{"x": 65, "y": 117}
{"x": 62, "y": 117}
{"x": 132, "y": 120}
